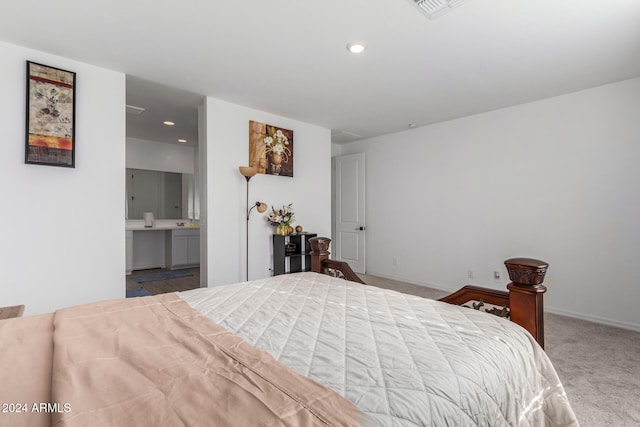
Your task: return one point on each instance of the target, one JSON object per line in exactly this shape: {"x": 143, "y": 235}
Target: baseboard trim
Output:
{"x": 594, "y": 319}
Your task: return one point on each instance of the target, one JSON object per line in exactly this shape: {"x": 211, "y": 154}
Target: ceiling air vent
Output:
{"x": 136, "y": 111}
{"x": 342, "y": 136}
{"x": 436, "y": 8}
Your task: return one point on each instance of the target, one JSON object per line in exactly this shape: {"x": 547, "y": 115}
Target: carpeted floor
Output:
{"x": 599, "y": 365}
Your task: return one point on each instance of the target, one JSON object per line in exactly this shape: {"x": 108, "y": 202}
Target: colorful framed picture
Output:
{"x": 50, "y": 134}
{"x": 270, "y": 149}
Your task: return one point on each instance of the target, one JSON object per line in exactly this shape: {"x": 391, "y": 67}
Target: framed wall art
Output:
{"x": 50, "y": 133}
{"x": 270, "y": 149}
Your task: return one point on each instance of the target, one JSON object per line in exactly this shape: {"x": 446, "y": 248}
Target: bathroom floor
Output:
{"x": 167, "y": 285}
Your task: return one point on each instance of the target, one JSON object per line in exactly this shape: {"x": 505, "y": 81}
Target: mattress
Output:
{"x": 401, "y": 359}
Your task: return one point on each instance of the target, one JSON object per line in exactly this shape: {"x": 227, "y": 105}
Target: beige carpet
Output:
{"x": 599, "y": 365}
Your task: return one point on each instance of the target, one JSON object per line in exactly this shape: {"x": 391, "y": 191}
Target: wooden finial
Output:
{"x": 526, "y": 271}
{"x": 319, "y": 252}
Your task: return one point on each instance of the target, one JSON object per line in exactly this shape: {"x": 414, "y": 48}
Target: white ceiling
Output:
{"x": 288, "y": 57}
{"x": 162, "y": 103}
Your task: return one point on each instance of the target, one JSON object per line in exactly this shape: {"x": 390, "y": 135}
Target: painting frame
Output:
{"x": 271, "y": 149}
{"x": 50, "y": 116}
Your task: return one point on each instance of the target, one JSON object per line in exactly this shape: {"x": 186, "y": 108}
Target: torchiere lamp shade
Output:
{"x": 248, "y": 171}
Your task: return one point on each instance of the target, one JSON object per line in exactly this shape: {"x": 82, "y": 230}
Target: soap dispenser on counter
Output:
{"x": 148, "y": 219}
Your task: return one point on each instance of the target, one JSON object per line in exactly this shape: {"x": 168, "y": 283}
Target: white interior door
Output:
{"x": 349, "y": 241}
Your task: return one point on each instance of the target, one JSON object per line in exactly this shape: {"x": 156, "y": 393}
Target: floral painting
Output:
{"x": 270, "y": 149}
{"x": 50, "y": 116}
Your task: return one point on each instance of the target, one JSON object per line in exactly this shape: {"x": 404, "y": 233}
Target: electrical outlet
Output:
{"x": 394, "y": 261}
{"x": 496, "y": 275}
{"x": 469, "y": 274}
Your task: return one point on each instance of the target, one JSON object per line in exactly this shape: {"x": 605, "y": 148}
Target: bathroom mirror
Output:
{"x": 168, "y": 195}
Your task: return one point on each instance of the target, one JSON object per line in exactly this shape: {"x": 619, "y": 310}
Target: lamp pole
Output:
{"x": 248, "y": 172}
{"x": 246, "y": 234}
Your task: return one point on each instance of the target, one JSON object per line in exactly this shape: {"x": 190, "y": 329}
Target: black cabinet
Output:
{"x": 291, "y": 254}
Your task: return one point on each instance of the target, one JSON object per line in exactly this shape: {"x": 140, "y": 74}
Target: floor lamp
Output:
{"x": 248, "y": 172}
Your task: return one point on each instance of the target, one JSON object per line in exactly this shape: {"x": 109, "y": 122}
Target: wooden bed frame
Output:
{"x": 522, "y": 303}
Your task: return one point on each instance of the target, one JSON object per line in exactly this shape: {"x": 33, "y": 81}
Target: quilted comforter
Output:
{"x": 402, "y": 360}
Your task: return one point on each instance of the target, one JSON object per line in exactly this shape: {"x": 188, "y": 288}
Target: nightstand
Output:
{"x": 291, "y": 253}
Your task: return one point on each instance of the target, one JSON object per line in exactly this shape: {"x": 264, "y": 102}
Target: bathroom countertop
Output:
{"x": 136, "y": 225}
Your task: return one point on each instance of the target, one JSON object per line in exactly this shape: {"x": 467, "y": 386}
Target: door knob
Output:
{"x": 361, "y": 228}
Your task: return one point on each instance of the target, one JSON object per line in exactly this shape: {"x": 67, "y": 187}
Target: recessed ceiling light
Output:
{"x": 168, "y": 123}
{"x": 357, "y": 47}
{"x": 182, "y": 140}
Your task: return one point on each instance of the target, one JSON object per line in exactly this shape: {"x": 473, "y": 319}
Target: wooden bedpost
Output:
{"x": 525, "y": 294}
{"x": 320, "y": 262}
{"x": 319, "y": 252}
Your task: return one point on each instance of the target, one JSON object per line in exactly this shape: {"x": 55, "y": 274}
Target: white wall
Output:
{"x": 152, "y": 155}
{"x": 309, "y": 189}
{"x": 555, "y": 180}
{"x": 63, "y": 228}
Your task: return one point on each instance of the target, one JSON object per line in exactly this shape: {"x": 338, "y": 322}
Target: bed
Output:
{"x": 301, "y": 349}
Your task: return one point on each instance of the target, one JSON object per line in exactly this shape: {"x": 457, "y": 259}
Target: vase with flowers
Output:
{"x": 282, "y": 219}
{"x": 276, "y": 147}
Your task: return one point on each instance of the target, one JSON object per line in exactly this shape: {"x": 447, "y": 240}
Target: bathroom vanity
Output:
{"x": 165, "y": 245}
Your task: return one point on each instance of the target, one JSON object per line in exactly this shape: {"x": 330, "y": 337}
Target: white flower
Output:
{"x": 276, "y": 142}
{"x": 282, "y": 216}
